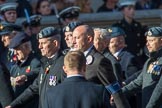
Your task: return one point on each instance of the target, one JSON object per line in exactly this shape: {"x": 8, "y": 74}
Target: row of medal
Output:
{"x": 154, "y": 68}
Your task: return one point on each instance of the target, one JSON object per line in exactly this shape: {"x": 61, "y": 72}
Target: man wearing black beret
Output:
{"x": 152, "y": 69}
{"x": 32, "y": 28}
{"x": 69, "y": 14}
{"x": 68, "y": 31}
{"x": 129, "y": 63}
{"x": 7, "y": 32}
{"x": 8, "y": 11}
{"x": 117, "y": 47}
{"x": 26, "y": 69}
{"x": 51, "y": 73}
{"x": 134, "y": 38}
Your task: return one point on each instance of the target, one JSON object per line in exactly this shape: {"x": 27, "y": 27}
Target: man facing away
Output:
{"x": 81, "y": 93}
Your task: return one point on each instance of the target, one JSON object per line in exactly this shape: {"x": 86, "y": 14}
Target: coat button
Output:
{"x": 138, "y": 45}
{"x": 138, "y": 34}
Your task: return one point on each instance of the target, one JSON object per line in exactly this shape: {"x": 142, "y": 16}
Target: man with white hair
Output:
{"x": 101, "y": 42}
{"x": 24, "y": 72}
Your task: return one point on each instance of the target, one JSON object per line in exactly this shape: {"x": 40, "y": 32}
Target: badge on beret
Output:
{"x": 109, "y": 30}
{"x": 67, "y": 28}
{"x": 1, "y": 27}
{"x": 149, "y": 33}
{"x": 52, "y": 80}
{"x": 89, "y": 60}
{"x": 40, "y": 35}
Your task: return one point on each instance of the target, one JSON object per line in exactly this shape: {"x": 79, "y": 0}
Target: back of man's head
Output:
{"x": 75, "y": 60}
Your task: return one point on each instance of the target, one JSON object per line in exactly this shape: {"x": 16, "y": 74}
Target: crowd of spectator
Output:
{"x": 52, "y": 7}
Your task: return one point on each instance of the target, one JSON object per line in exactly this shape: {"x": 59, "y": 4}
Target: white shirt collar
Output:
{"x": 74, "y": 75}
{"x": 117, "y": 53}
{"x": 87, "y": 51}
{"x": 51, "y": 56}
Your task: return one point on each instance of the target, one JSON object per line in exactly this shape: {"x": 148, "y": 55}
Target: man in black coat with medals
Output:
{"x": 51, "y": 73}
{"x": 152, "y": 69}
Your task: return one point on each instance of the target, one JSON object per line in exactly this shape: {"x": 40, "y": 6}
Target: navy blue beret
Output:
{"x": 70, "y": 12}
{"x": 6, "y": 28}
{"x": 115, "y": 32}
{"x": 19, "y": 39}
{"x": 71, "y": 26}
{"x": 34, "y": 21}
{"x": 154, "y": 32}
{"x": 48, "y": 32}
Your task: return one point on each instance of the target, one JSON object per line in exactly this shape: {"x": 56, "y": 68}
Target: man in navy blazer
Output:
{"x": 76, "y": 91}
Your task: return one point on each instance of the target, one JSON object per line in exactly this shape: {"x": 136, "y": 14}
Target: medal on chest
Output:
{"x": 28, "y": 69}
{"x": 52, "y": 80}
{"x": 154, "y": 68}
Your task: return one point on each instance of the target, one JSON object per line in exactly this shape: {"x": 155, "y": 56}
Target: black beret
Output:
{"x": 115, "y": 32}
{"x": 154, "y": 32}
{"x": 48, "y": 32}
{"x": 71, "y": 26}
{"x": 8, "y": 6}
{"x": 70, "y": 12}
{"x": 6, "y": 28}
{"x": 19, "y": 39}
{"x": 34, "y": 21}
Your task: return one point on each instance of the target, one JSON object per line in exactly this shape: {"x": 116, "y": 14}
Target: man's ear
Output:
{"x": 161, "y": 40}
{"x": 89, "y": 39}
{"x": 65, "y": 69}
{"x": 55, "y": 43}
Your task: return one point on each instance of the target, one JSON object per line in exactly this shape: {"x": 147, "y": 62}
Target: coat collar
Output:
{"x": 156, "y": 54}
{"x": 75, "y": 79}
{"x": 27, "y": 61}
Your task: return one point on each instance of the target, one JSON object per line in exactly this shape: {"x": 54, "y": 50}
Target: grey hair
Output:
{"x": 28, "y": 45}
{"x": 55, "y": 37}
{"x": 104, "y": 34}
